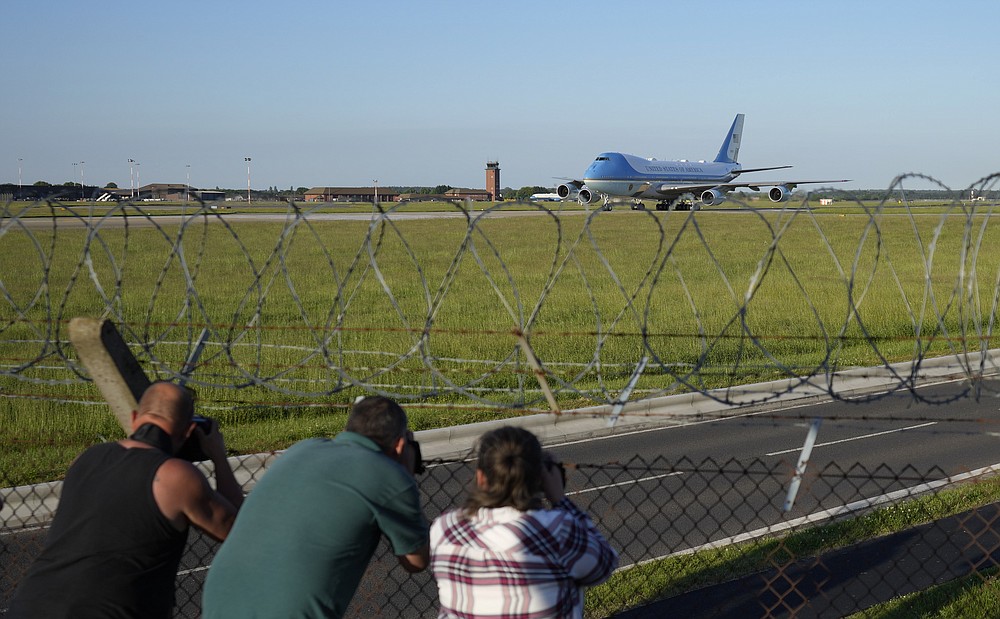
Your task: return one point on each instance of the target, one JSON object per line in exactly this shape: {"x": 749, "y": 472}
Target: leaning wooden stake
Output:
{"x": 539, "y": 372}
{"x": 111, "y": 365}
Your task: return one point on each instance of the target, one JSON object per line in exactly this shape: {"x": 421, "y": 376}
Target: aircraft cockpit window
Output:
{"x": 601, "y": 159}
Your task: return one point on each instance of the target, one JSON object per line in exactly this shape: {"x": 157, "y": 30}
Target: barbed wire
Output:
{"x": 306, "y": 304}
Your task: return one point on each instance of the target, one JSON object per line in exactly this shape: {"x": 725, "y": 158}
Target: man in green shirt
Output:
{"x": 307, "y": 531}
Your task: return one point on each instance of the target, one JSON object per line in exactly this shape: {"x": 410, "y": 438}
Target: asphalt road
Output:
{"x": 891, "y": 444}
{"x": 689, "y": 488}
{"x": 649, "y": 511}
{"x": 686, "y": 489}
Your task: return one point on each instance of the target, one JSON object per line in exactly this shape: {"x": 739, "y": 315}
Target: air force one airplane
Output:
{"x": 617, "y": 175}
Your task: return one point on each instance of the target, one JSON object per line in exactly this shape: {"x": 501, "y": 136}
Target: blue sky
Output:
{"x": 424, "y": 93}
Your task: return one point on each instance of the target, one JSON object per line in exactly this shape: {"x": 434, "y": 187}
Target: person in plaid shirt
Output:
{"x": 504, "y": 554}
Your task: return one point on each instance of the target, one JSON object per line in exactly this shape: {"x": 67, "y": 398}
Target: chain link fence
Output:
{"x": 708, "y": 537}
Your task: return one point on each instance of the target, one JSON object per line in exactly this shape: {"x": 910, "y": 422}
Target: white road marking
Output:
{"x": 624, "y": 483}
{"x": 854, "y": 438}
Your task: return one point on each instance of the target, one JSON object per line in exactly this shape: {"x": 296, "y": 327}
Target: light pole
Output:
{"x": 375, "y": 181}
{"x": 247, "y": 159}
{"x": 131, "y": 179}
{"x": 187, "y": 187}
{"x": 74, "y": 176}
{"x": 82, "y": 181}
{"x": 20, "y": 191}
{"x": 137, "y": 185}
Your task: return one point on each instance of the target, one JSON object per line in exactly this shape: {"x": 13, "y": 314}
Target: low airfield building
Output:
{"x": 476, "y": 195}
{"x": 350, "y": 194}
{"x": 367, "y": 194}
{"x": 167, "y": 192}
{"x": 423, "y": 197}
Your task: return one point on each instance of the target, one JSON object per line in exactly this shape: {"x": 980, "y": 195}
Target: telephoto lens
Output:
{"x": 418, "y": 459}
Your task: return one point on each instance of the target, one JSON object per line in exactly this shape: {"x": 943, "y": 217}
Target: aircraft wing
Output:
{"x": 668, "y": 189}
{"x": 774, "y": 167}
{"x": 756, "y": 185}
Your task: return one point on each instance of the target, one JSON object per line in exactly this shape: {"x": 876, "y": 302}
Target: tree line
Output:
{"x": 43, "y": 189}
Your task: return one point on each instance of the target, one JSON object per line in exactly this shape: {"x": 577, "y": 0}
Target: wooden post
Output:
{"x": 111, "y": 365}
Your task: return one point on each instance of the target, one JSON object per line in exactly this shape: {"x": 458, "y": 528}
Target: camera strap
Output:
{"x": 154, "y": 435}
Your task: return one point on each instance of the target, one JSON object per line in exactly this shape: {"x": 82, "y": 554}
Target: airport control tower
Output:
{"x": 493, "y": 180}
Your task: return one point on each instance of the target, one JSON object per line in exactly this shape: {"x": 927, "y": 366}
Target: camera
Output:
{"x": 191, "y": 449}
{"x": 418, "y": 459}
{"x": 549, "y": 463}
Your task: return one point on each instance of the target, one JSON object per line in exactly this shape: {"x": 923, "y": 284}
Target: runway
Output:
{"x": 142, "y": 220}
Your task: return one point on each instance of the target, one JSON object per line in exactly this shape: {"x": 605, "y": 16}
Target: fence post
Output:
{"x": 111, "y": 365}
{"x": 627, "y": 392}
{"x": 800, "y": 468}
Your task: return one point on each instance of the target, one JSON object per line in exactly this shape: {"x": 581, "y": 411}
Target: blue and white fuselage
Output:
{"x": 617, "y": 175}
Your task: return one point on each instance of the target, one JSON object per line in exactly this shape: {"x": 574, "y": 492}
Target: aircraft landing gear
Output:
{"x": 683, "y": 203}
{"x": 607, "y": 203}
{"x": 638, "y": 205}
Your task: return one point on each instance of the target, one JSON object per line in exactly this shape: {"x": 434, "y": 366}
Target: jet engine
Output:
{"x": 780, "y": 193}
{"x": 586, "y": 196}
{"x": 568, "y": 190}
{"x": 712, "y": 197}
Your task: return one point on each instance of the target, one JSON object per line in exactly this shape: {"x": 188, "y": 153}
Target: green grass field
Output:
{"x": 306, "y": 317}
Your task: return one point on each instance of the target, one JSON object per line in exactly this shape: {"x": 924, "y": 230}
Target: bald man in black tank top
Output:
{"x": 123, "y": 517}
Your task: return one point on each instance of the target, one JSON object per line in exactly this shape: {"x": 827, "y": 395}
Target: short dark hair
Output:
{"x": 380, "y": 419}
{"x": 511, "y": 459}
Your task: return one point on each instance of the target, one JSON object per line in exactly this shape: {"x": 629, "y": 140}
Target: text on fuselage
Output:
{"x": 664, "y": 168}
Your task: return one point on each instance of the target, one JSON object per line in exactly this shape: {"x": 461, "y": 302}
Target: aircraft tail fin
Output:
{"x": 731, "y": 146}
